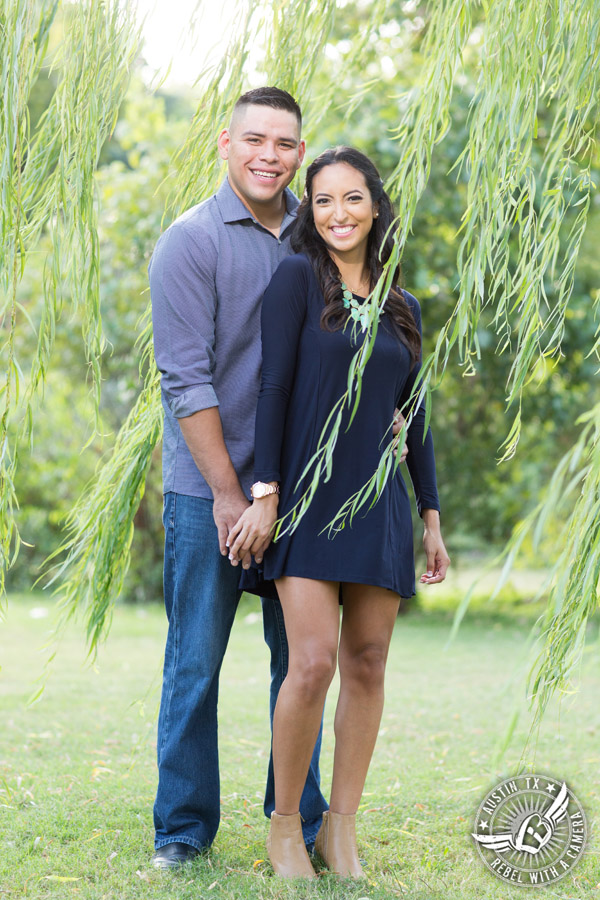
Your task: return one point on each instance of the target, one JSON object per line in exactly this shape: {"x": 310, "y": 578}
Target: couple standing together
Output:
{"x": 254, "y": 297}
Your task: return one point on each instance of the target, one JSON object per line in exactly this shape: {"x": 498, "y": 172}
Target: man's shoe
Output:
{"x": 174, "y": 854}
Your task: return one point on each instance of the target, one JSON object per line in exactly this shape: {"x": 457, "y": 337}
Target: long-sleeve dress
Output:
{"x": 304, "y": 373}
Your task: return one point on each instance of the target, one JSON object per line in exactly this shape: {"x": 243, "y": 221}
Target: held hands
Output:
{"x": 228, "y": 506}
{"x": 251, "y": 535}
{"x": 437, "y": 557}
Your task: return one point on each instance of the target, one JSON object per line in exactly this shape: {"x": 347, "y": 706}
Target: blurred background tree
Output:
{"x": 131, "y": 196}
{"x": 358, "y": 69}
{"x": 482, "y": 501}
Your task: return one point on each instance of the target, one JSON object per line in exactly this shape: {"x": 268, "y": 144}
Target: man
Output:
{"x": 207, "y": 277}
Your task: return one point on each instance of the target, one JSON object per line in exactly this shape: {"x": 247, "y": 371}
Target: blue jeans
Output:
{"x": 201, "y": 598}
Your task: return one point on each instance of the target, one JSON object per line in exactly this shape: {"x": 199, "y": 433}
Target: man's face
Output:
{"x": 263, "y": 150}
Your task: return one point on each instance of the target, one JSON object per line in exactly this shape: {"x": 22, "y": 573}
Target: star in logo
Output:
{"x": 483, "y": 824}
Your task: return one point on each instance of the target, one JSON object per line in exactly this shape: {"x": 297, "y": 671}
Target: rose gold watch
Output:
{"x": 261, "y": 489}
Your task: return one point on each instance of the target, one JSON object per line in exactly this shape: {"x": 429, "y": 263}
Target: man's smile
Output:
{"x": 262, "y": 173}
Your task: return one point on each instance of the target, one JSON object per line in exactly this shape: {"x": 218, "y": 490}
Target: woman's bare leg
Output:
{"x": 367, "y": 625}
{"x": 311, "y": 613}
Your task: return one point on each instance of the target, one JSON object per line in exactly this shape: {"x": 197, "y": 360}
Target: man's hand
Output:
{"x": 227, "y": 509}
{"x": 437, "y": 557}
{"x": 396, "y": 429}
{"x": 203, "y": 434}
{"x": 252, "y": 533}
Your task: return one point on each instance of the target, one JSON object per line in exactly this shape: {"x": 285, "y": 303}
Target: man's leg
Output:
{"x": 201, "y": 596}
{"x": 313, "y": 803}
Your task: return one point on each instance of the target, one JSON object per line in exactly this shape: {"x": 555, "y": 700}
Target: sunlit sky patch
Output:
{"x": 185, "y": 34}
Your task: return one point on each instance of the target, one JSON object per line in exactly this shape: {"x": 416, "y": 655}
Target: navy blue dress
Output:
{"x": 304, "y": 373}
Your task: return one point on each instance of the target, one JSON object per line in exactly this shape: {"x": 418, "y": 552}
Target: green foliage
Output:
{"x": 503, "y": 96}
{"x": 531, "y": 59}
{"x": 131, "y": 197}
{"x": 96, "y": 554}
{"x": 574, "y": 577}
{"x": 481, "y": 502}
{"x": 55, "y": 467}
{"x": 47, "y": 184}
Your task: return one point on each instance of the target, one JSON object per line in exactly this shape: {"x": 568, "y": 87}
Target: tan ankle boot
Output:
{"x": 336, "y": 844}
{"x": 286, "y": 847}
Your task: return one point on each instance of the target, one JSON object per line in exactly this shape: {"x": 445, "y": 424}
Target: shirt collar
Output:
{"x": 233, "y": 210}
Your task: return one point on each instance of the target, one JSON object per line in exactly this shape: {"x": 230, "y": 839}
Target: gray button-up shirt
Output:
{"x": 208, "y": 273}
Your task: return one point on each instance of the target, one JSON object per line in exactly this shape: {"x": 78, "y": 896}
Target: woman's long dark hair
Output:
{"x": 306, "y": 239}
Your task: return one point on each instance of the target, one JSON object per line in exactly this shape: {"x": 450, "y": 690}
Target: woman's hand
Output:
{"x": 396, "y": 429}
{"x": 437, "y": 557}
{"x": 252, "y": 531}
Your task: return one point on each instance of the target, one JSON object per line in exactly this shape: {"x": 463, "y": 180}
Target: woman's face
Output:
{"x": 343, "y": 210}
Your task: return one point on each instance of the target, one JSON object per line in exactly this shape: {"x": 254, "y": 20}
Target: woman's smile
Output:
{"x": 343, "y": 230}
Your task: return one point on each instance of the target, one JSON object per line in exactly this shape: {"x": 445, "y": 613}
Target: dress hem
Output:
{"x": 347, "y": 579}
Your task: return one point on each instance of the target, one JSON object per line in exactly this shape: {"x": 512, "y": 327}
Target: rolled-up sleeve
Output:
{"x": 184, "y": 303}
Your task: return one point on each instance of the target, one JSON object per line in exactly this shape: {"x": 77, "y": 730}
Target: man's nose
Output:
{"x": 269, "y": 152}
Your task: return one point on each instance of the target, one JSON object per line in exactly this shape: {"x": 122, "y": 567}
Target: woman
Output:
{"x": 343, "y": 219}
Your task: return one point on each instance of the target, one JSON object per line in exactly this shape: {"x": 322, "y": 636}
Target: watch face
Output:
{"x": 259, "y": 490}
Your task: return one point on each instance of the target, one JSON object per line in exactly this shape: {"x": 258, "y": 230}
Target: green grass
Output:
{"x": 77, "y": 770}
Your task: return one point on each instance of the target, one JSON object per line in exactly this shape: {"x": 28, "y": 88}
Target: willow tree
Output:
{"x": 517, "y": 247}
{"x": 47, "y": 185}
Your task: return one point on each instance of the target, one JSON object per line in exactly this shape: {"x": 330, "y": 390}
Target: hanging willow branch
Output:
{"x": 537, "y": 59}
{"x": 198, "y": 165}
{"x": 576, "y": 572}
{"x": 572, "y": 499}
{"x": 47, "y": 183}
{"x": 95, "y": 554}
{"x": 426, "y": 121}
{"x": 519, "y": 241}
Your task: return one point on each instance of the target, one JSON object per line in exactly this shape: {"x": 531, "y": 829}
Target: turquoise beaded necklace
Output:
{"x": 358, "y": 311}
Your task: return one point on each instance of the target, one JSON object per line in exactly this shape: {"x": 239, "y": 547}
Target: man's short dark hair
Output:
{"x": 274, "y": 97}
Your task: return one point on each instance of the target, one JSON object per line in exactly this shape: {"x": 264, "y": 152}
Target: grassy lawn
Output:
{"x": 77, "y": 769}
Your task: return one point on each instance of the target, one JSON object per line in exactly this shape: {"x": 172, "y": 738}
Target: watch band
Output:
{"x": 262, "y": 489}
